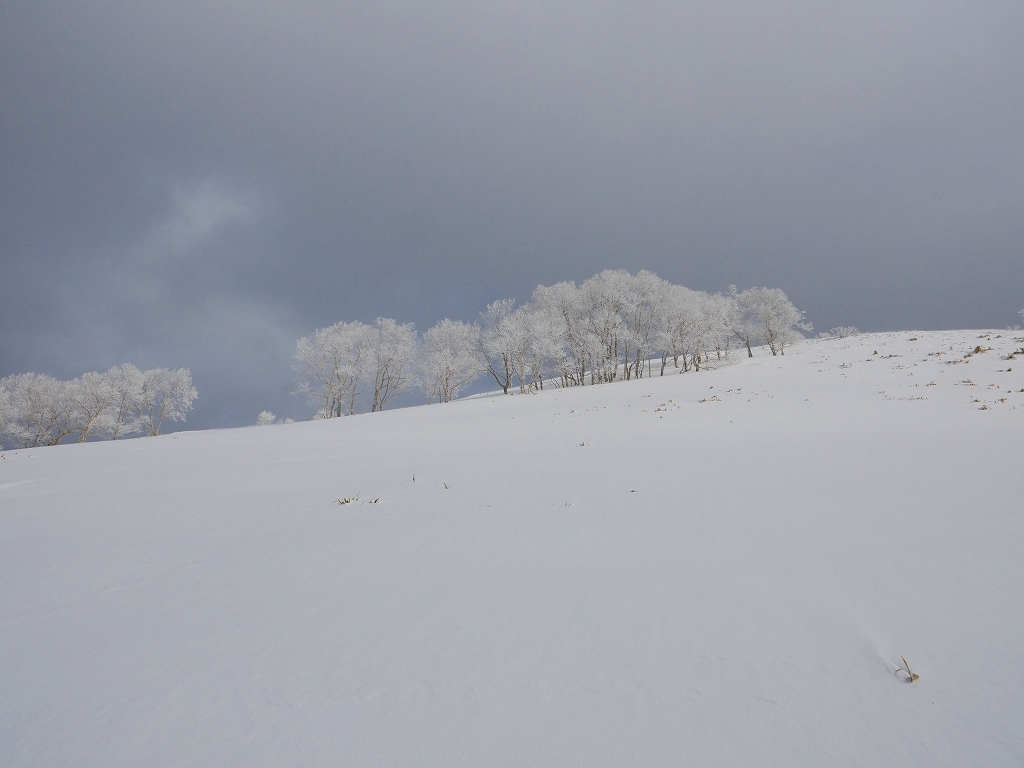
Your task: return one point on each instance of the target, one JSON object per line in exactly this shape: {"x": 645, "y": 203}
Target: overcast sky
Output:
{"x": 199, "y": 183}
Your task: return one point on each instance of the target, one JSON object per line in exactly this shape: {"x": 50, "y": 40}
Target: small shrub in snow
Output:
{"x": 841, "y": 332}
{"x": 265, "y": 417}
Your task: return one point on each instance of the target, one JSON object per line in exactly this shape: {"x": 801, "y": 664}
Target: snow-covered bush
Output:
{"x": 840, "y": 332}
{"x": 265, "y": 418}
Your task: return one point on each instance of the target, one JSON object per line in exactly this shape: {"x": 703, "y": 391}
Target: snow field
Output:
{"x": 614, "y": 575}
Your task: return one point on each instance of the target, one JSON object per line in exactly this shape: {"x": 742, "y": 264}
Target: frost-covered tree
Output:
{"x": 449, "y": 359}
{"x": 265, "y": 418}
{"x": 37, "y": 410}
{"x": 32, "y": 396}
{"x": 548, "y": 349}
{"x": 164, "y": 394}
{"x": 643, "y": 315}
{"x": 778, "y": 320}
{"x": 696, "y": 328}
{"x": 5, "y": 409}
{"x": 10, "y": 428}
{"x": 497, "y": 341}
{"x": 338, "y": 363}
{"x": 331, "y": 364}
{"x": 680, "y": 320}
{"x": 533, "y": 342}
{"x": 605, "y": 299}
{"x": 718, "y": 310}
{"x": 565, "y": 320}
{"x": 390, "y": 360}
{"x": 708, "y": 334}
{"x": 739, "y": 321}
{"x": 40, "y": 410}
{"x": 126, "y": 381}
{"x": 94, "y": 396}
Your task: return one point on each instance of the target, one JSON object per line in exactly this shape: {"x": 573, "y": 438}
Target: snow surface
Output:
{"x": 717, "y": 568}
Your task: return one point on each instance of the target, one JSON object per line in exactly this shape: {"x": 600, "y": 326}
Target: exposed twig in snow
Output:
{"x": 905, "y": 669}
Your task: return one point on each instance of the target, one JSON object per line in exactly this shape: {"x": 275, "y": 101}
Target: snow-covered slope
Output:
{"x": 720, "y": 568}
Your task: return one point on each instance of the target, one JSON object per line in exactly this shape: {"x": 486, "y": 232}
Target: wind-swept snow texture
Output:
{"x": 718, "y": 568}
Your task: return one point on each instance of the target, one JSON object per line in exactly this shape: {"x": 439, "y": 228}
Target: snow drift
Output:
{"x": 717, "y": 568}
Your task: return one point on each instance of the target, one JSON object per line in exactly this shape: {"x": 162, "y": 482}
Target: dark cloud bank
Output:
{"x": 199, "y": 183}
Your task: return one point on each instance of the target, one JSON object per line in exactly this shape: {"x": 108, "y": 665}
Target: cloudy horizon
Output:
{"x": 199, "y": 185}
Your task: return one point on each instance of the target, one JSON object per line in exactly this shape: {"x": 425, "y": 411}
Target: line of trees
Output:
{"x": 613, "y": 326}
{"x": 37, "y": 410}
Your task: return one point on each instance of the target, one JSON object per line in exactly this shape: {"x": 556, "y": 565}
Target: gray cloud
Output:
{"x": 200, "y": 183}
